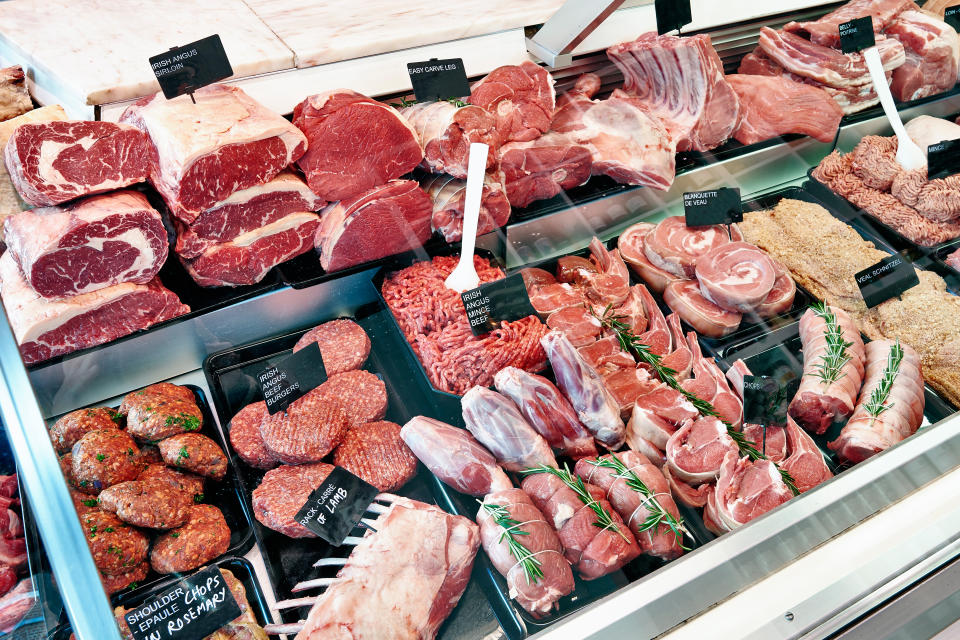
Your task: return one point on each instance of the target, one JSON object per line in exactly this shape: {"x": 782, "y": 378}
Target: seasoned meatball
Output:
{"x": 149, "y": 454}
{"x": 204, "y": 537}
{"x": 195, "y": 452}
{"x": 102, "y": 459}
{"x": 150, "y": 504}
{"x": 116, "y": 547}
{"x": 189, "y": 484}
{"x": 160, "y": 411}
{"x": 119, "y": 582}
{"x": 67, "y": 430}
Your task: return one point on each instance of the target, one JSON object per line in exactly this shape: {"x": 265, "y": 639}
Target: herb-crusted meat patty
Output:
{"x": 194, "y": 452}
{"x": 67, "y": 430}
{"x": 204, "y": 537}
{"x": 103, "y": 458}
{"x": 150, "y": 504}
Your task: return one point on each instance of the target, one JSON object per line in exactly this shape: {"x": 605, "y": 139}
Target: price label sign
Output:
{"x": 672, "y": 15}
{"x": 765, "y": 400}
{"x": 336, "y": 506}
{"x": 951, "y": 16}
{"x": 193, "y": 608}
{"x": 291, "y": 378}
{"x": 499, "y": 301}
{"x": 943, "y": 159}
{"x": 719, "y": 206}
{"x": 190, "y": 67}
{"x": 438, "y": 79}
{"x": 887, "y": 279}
{"x": 857, "y": 35}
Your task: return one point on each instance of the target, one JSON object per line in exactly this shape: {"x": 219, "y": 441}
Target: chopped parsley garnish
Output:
{"x": 198, "y": 497}
{"x": 92, "y": 502}
{"x": 174, "y": 535}
{"x": 101, "y": 457}
{"x": 181, "y": 455}
{"x": 185, "y": 420}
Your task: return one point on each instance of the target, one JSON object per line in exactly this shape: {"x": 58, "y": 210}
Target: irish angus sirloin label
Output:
{"x": 943, "y": 159}
{"x": 190, "y": 67}
{"x": 291, "y": 378}
{"x": 438, "y": 79}
{"x": 719, "y": 206}
{"x": 336, "y": 506}
{"x": 887, "y": 279}
{"x": 193, "y": 608}
{"x": 503, "y": 300}
{"x": 857, "y": 35}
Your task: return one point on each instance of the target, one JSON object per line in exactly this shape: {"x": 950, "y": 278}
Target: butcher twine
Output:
{"x": 642, "y": 502}
{"x": 517, "y": 526}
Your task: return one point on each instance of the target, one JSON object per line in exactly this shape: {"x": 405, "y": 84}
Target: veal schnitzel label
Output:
{"x": 887, "y": 279}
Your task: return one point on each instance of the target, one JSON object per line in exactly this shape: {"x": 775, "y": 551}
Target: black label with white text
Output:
{"x": 765, "y": 400}
{"x": 857, "y": 35}
{"x": 336, "y": 506}
{"x": 943, "y": 159}
{"x": 499, "y": 301}
{"x": 193, "y": 608}
{"x": 951, "y": 16}
{"x": 672, "y": 15}
{"x": 438, "y": 79}
{"x": 887, "y": 279}
{"x": 185, "y": 69}
{"x": 291, "y": 378}
{"x": 718, "y": 206}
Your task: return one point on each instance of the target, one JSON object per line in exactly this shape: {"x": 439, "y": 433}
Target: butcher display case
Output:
{"x": 874, "y": 545}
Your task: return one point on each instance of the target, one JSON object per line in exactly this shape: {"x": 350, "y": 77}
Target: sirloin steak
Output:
{"x": 47, "y": 328}
{"x": 53, "y": 162}
{"x": 233, "y": 143}
{"x": 88, "y": 245}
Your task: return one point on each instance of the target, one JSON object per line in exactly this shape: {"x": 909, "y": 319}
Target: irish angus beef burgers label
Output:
{"x": 887, "y": 279}
{"x": 336, "y": 506}
{"x": 943, "y": 159}
{"x": 717, "y": 206}
{"x": 185, "y": 69}
{"x": 438, "y": 79}
{"x": 291, "y": 377}
{"x": 499, "y": 301}
{"x": 193, "y": 608}
{"x": 857, "y": 35}
{"x": 951, "y": 16}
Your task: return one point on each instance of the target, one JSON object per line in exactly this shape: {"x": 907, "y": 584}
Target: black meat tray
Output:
{"x": 231, "y": 376}
{"x": 240, "y": 568}
{"x": 226, "y": 494}
{"x": 779, "y": 354}
{"x": 515, "y": 622}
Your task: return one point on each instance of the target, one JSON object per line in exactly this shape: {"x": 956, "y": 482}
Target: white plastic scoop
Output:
{"x": 465, "y": 276}
{"x": 909, "y": 155}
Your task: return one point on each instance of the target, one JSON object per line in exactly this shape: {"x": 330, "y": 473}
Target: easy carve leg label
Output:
{"x": 336, "y": 506}
{"x": 494, "y": 302}
{"x": 438, "y": 79}
{"x": 191, "y": 609}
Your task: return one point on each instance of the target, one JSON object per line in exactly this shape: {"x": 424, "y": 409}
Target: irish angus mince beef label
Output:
{"x": 185, "y": 69}
{"x": 857, "y": 35}
{"x": 718, "y": 206}
{"x": 336, "y": 506}
{"x": 291, "y": 378}
{"x": 943, "y": 159}
{"x": 499, "y": 301}
{"x": 438, "y": 79}
{"x": 952, "y": 16}
{"x": 765, "y": 400}
{"x": 191, "y": 609}
{"x": 672, "y": 15}
{"x": 887, "y": 279}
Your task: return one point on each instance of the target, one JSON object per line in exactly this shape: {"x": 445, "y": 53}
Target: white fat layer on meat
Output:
{"x": 291, "y": 221}
{"x": 31, "y": 316}
{"x": 743, "y": 274}
{"x": 697, "y": 242}
{"x": 286, "y": 181}
{"x": 564, "y": 513}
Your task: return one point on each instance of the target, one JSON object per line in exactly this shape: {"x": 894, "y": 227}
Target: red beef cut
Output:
{"x": 355, "y": 143}
{"x": 233, "y": 143}
{"x": 543, "y": 168}
{"x": 52, "y": 162}
{"x": 386, "y": 220}
{"x": 247, "y": 210}
{"x": 448, "y": 194}
{"x": 47, "y": 328}
{"x": 88, "y": 245}
{"x": 247, "y": 258}
{"x": 446, "y": 131}
{"x": 521, "y": 97}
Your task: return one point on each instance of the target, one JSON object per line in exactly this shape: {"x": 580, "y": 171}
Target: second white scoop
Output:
{"x": 909, "y": 155}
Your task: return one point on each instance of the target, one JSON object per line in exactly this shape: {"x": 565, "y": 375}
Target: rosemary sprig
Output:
{"x": 658, "y": 515}
{"x": 604, "y": 519}
{"x": 630, "y": 343}
{"x": 878, "y": 397}
{"x": 511, "y": 529}
{"x": 836, "y": 355}
{"x": 457, "y": 102}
